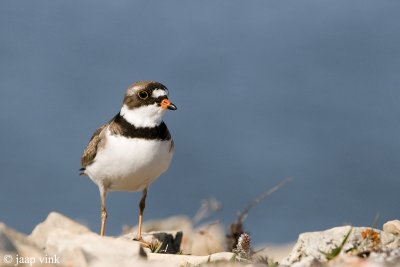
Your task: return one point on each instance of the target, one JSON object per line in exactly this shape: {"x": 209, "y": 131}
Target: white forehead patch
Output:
{"x": 131, "y": 91}
{"x": 159, "y": 92}
{"x": 134, "y": 89}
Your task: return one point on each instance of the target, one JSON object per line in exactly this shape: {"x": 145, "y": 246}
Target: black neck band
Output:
{"x": 159, "y": 132}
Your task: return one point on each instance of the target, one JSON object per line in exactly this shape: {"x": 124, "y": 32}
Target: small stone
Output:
{"x": 204, "y": 240}
{"x": 392, "y": 227}
{"x": 169, "y": 241}
{"x": 170, "y": 224}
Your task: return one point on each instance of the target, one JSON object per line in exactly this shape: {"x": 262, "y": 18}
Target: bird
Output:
{"x": 133, "y": 149}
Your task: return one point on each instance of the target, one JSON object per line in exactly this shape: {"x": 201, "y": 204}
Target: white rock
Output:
{"x": 312, "y": 244}
{"x": 90, "y": 249}
{"x": 347, "y": 261}
{"x": 232, "y": 264}
{"x": 54, "y": 222}
{"x": 389, "y": 257}
{"x": 8, "y": 238}
{"x": 75, "y": 245}
{"x": 188, "y": 260}
{"x": 13, "y": 241}
{"x": 392, "y": 227}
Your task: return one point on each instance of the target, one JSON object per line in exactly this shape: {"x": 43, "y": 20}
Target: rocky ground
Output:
{"x": 61, "y": 242}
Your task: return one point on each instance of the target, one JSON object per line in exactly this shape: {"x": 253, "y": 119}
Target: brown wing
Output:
{"x": 91, "y": 150}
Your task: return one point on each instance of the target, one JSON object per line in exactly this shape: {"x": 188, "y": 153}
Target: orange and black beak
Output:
{"x": 166, "y": 104}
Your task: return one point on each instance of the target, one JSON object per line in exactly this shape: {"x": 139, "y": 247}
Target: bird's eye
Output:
{"x": 143, "y": 94}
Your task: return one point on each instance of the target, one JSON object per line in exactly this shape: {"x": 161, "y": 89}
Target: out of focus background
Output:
{"x": 264, "y": 89}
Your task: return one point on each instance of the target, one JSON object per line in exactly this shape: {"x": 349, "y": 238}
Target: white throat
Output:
{"x": 144, "y": 116}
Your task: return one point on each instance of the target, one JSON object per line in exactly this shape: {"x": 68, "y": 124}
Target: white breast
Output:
{"x": 130, "y": 164}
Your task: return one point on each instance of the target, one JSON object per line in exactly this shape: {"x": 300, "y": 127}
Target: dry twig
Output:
{"x": 237, "y": 228}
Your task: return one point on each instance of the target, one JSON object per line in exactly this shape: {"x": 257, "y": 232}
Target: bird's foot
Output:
{"x": 142, "y": 242}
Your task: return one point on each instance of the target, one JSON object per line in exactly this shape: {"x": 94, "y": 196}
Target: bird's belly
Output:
{"x": 130, "y": 164}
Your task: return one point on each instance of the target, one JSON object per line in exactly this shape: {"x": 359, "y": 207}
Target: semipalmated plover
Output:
{"x": 134, "y": 148}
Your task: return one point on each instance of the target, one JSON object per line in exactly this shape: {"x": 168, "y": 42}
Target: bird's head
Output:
{"x": 145, "y": 103}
